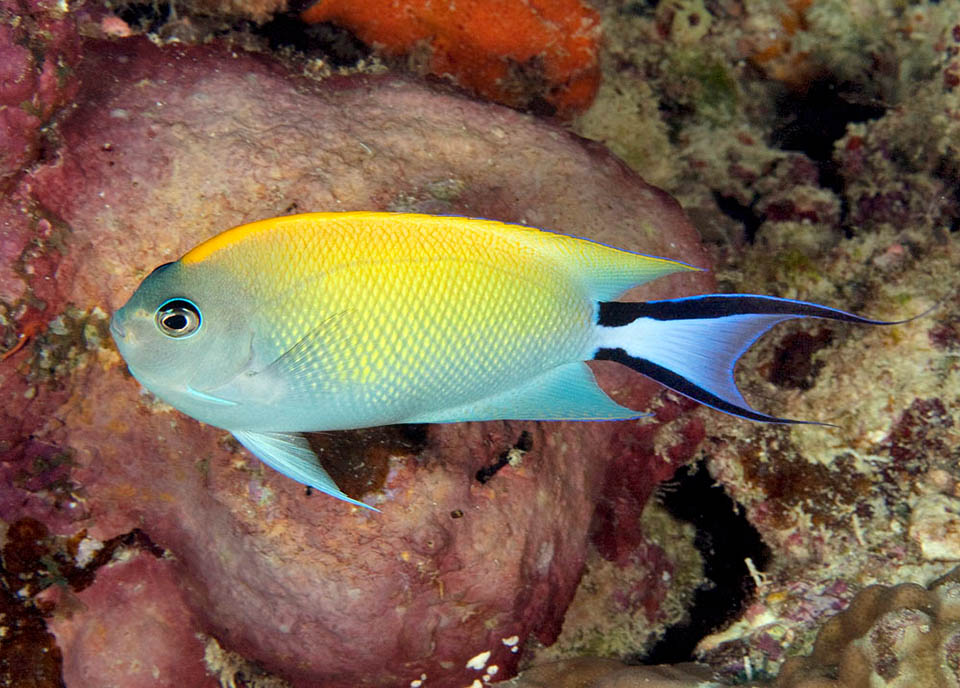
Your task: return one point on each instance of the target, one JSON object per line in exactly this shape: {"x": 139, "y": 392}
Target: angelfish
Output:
{"x": 330, "y": 321}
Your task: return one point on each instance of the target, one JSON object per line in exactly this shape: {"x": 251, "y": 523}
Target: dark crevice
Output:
{"x": 523, "y": 444}
{"x": 334, "y": 44}
{"x": 725, "y": 539}
{"x": 794, "y": 365}
{"x": 358, "y": 460}
{"x": 640, "y": 8}
{"x": 813, "y": 120}
{"x": 742, "y": 214}
{"x": 145, "y": 16}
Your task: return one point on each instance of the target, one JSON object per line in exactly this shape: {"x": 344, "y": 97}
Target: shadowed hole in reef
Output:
{"x": 794, "y": 366}
{"x": 358, "y": 460}
{"x": 725, "y": 539}
{"x": 334, "y": 44}
{"x": 145, "y": 16}
{"x": 744, "y": 214}
{"x": 813, "y": 120}
{"x": 523, "y": 444}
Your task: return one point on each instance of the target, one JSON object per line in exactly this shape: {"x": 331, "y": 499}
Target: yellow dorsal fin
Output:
{"x": 228, "y": 238}
{"x": 233, "y": 236}
{"x": 605, "y": 271}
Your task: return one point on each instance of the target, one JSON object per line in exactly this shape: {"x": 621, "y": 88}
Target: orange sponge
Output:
{"x": 516, "y": 52}
{"x": 775, "y": 54}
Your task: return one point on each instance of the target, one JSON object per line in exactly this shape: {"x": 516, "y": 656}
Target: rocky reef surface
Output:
{"x": 471, "y": 556}
{"x": 813, "y": 145}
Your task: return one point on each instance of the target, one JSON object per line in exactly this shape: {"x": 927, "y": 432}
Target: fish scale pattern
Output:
{"x": 404, "y": 319}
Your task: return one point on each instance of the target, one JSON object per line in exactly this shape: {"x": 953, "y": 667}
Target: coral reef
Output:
{"x": 812, "y": 143}
{"x": 41, "y": 574}
{"x": 824, "y": 169}
{"x": 39, "y": 49}
{"x": 30, "y": 655}
{"x": 889, "y": 636}
{"x": 510, "y": 51}
{"x": 454, "y": 569}
{"x": 592, "y": 672}
{"x": 642, "y": 567}
{"x": 131, "y": 627}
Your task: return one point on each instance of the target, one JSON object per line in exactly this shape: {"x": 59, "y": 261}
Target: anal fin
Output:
{"x": 567, "y": 392}
{"x": 290, "y": 454}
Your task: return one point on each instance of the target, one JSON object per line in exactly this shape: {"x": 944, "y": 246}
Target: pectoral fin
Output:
{"x": 305, "y": 357}
{"x": 283, "y": 377}
{"x": 290, "y": 454}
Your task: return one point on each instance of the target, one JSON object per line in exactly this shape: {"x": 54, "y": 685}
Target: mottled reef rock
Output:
{"x": 889, "y": 636}
{"x": 168, "y": 146}
{"x": 38, "y": 53}
{"x": 814, "y": 145}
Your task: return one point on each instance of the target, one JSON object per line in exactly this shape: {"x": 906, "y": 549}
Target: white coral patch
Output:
{"x": 480, "y": 661}
{"x": 86, "y": 550}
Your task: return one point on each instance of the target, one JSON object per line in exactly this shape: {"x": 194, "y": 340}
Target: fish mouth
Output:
{"x": 116, "y": 329}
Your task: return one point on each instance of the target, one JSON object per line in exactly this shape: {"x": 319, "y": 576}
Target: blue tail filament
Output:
{"x": 692, "y": 345}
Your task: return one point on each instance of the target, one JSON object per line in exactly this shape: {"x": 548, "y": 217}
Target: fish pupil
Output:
{"x": 178, "y": 317}
{"x": 177, "y": 321}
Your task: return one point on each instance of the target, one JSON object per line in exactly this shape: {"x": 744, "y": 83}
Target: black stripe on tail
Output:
{"x": 678, "y": 383}
{"x": 619, "y": 313}
{"x": 692, "y": 344}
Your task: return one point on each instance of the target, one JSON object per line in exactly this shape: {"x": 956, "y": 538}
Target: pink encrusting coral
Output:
{"x": 167, "y": 147}
{"x": 38, "y": 53}
{"x": 132, "y": 627}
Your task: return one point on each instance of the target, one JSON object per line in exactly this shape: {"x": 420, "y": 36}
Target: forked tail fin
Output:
{"x": 691, "y": 345}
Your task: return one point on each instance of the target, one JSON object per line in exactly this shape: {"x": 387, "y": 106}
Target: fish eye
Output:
{"x": 178, "y": 318}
